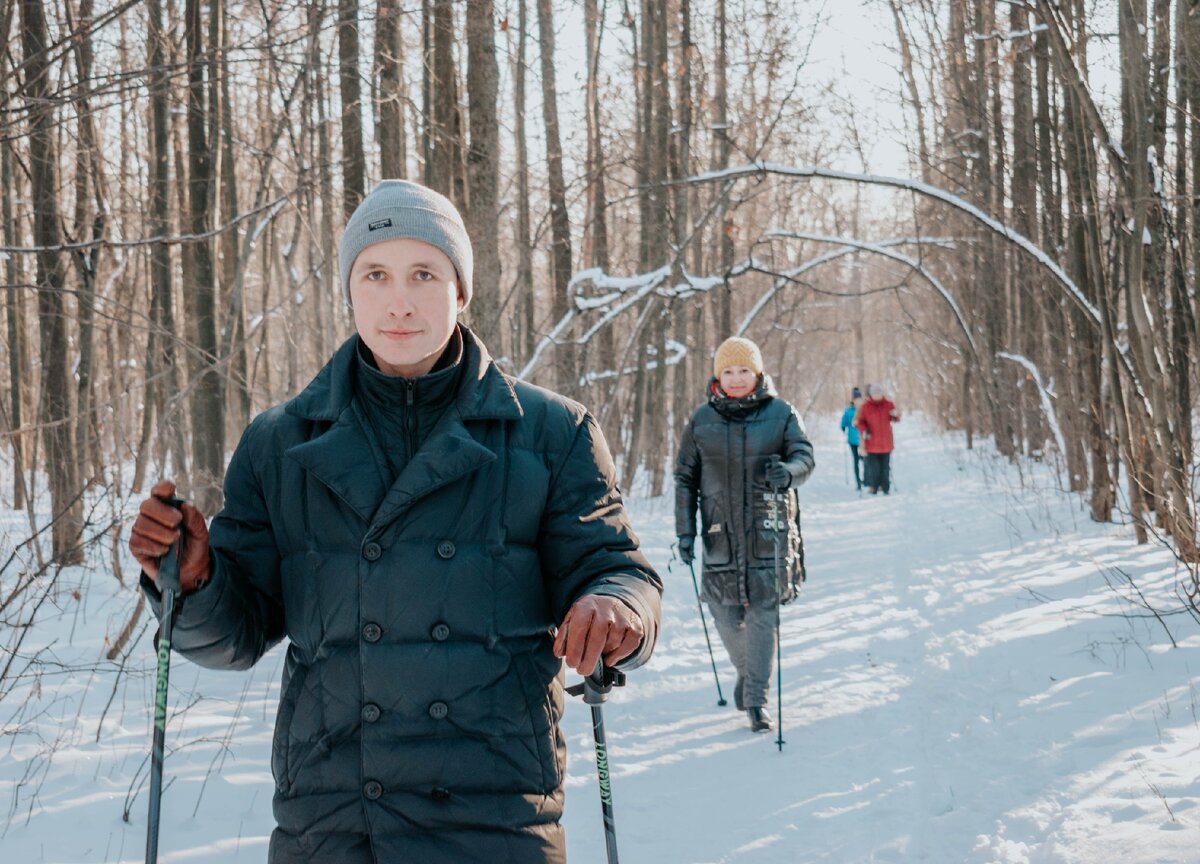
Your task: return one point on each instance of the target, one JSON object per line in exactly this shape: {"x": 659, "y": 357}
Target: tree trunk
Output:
{"x": 1029, "y": 326}
{"x": 443, "y": 170}
{"x": 354, "y": 163}
{"x": 596, "y": 235}
{"x": 389, "y": 72}
{"x": 14, "y": 327}
{"x": 199, "y": 292}
{"x": 560, "y": 226}
{"x": 89, "y": 223}
{"x": 483, "y": 169}
{"x": 55, "y": 415}
{"x": 233, "y": 348}
{"x": 527, "y": 301}
{"x": 682, "y": 168}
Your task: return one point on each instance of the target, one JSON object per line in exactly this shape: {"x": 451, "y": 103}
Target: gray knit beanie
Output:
{"x": 398, "y": 208}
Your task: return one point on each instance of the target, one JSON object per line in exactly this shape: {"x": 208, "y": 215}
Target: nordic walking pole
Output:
{"x": 168, "y": 583}
{"x": 594, "y": 689}
{"x": 707, "y": 641}
{"x": 777, "y": 526}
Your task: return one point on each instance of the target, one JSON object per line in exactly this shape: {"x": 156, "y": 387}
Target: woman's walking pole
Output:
{"x": 707, "y": 641}
{"x": 778, "y": 525}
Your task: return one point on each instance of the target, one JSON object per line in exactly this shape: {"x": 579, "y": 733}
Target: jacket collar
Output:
{"x": 737, "y": 408}
{"x": 453, "y": 449}
{"x": 483, "y": 394}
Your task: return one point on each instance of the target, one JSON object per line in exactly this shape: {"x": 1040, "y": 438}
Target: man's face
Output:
{"x": 406, "y": 298}
{"x": 738, "y": 381}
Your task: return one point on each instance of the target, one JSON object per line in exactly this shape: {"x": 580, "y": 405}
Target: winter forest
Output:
{"x": 989, "y": 207}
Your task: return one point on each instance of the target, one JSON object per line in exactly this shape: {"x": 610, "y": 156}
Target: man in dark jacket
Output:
{"x": 432, "y": 537}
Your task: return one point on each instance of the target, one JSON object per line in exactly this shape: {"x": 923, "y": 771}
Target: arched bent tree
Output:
{"x": 610, "y": 296}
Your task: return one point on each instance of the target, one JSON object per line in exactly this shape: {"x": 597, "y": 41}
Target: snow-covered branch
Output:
{"x": 879, "y": 249}
{"x": 1044, "y": 394}
{"x": 1013, "y": 236}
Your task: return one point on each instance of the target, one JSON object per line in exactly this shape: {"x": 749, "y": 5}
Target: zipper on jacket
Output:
{"x": 410, "y": 417}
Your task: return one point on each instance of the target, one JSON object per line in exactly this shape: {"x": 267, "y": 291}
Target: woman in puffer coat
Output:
{"x": 433, "y": 538}
{"x": 740, "y": 446}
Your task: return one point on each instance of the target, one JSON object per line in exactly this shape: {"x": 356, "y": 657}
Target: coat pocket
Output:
{"x": 765, "y": 528}
{"x": 281, "y": 742}
{"x": 718, "y": 549}
{"x": 536, "y": 690}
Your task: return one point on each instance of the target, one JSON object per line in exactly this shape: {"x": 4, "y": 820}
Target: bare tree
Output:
{"x": 55, "y": 415}
{"x": 560, "y": 225}
{"x": 199, "y": 284}
{"x": 389, "y": 72}
{"x": 483, "y": 167}
{"x": 354, "y": 164}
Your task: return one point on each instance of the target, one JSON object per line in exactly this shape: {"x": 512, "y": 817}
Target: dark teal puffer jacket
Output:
{"x": 722, "y": 461}
{"x": 420, "y": 699}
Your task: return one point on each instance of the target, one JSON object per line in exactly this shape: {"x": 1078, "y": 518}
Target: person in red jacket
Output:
{"x": 874, "y": 421}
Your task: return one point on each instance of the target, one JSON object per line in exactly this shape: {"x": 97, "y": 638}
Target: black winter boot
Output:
{"x": 737, "y": 693}
{"x": 759, "y": 721}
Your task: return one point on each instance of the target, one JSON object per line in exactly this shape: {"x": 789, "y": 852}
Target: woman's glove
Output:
{"x": 779, "y": 476}
{"x": 687, "y": 549}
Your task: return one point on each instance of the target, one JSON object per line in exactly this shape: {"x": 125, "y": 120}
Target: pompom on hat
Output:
{"x": 736, "y": 351}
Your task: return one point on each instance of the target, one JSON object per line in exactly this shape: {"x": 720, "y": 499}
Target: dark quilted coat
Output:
{"x": 723, "y": 455}
{"x": 420, "y": 702}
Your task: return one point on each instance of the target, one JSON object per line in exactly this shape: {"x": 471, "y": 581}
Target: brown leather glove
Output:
{"x": 158, "y": 525}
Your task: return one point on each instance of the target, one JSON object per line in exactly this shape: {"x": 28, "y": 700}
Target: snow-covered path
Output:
{"x": 950, "y": 692}
{"x": 959, "y": 685}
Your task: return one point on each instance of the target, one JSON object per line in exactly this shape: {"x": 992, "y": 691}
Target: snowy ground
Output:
{"x": 965, "y": 680}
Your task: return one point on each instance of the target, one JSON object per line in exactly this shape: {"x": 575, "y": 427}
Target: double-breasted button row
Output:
{"x": 372, "y": 790}
{"x": 373, "y": 551}
{"x": 372, "y": 632}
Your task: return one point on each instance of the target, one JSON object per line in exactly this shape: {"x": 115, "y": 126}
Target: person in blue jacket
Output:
{"x": 852, "y": 434}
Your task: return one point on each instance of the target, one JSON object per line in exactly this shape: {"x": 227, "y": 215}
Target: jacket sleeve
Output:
{"x": 687, "y": 483}
{"x": 586, "y": 543}
{"x": 798, "y": 450}
{"x": 847, "y": 417}
{"x": 238, "y": 615}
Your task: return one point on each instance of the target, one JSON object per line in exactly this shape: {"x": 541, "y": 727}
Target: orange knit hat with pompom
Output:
{"x": 736, "y": 351}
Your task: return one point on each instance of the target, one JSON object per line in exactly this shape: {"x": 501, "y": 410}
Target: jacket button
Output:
{"x": 372, "y": 632}
{"x": 370, "y": 713}
{"x": 441, "y": 793}
{"x": 372, "y": 790}
{"x": 440, "y": 632}
{"x": 438, "y": 710}
{"x": 372, "y": 551}
{"x": 445, "y": 549}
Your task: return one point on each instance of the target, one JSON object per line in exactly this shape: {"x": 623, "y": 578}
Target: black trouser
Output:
{"x": 857, "y": 463}
{"x": 878, "y": 472}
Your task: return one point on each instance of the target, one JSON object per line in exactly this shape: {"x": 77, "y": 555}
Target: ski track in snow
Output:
{"x": 959, "y": 686}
